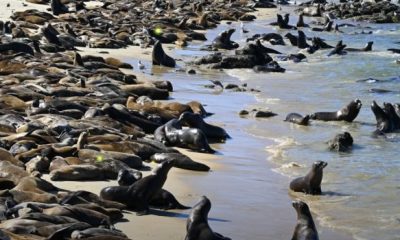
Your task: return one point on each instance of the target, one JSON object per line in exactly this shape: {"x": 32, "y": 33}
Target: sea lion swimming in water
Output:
{"x": 367, "y": 48}
{"x": 347, "y": 113}
{"x": 159, "y": 57}
{"x": 311, "y": 183}
{"x": 341, "y": 142}
{"x": 387, "y": 119}
{"x": 197, "y": 223}
{"x": 297, "y": 118}
{"x": 305, "y": 228}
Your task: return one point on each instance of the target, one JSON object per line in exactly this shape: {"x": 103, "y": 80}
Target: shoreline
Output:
{"x": 171, "y": 224}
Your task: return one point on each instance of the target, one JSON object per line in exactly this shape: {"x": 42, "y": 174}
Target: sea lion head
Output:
{"x": 164, "y": 167}
{"x": 301, "y": 208}
{"x": 319, "y": 165}
{"x": 203, "y": 207}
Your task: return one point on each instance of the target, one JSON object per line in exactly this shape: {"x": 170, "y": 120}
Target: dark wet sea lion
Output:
{"x": 347, "y": 113}
{"x": 339, "y": 49}
{"x": 298, "y": 119}
{"x": 196, "y": 121}
{"x": 392, "y": 114}
{"x": 292, "y": 39}
{"x": 311, "y": 183}
{"x": 57, "y": 7}
{"x": 16, "y": 47}
{"x": 163, "y": 199}
{"x": 272, "y": 66}
{"x": 192, "y": 138}
{"x": 367, "y": 48}
{"x": 387, "y": 119}
{"x": 180, "y": 161}
{"x": 341, "y": 142}
{"x": 305, "y": 227}
{"x": 223, "y": 40}
{"x": 302, "y": 40}
{"x": 127, "y": 177}
{"x": 197, "y": 223}
{"x": 159, "y": 57}
{"x": 138, "y": 195}
{"x": 300, "y": 22}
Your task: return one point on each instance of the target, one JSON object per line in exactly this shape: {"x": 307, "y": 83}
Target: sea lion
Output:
{"x": 159, "y": 57}
{"x": 385, "y": 119}
{"x": 341, "y": 142}
{"x": 302, "y": 40}
{"x": 180, "y": 161}
{"x": 197, "y": 223}
{"x": 138, "y": 195}
{"x": 347, "y": 113}
{"x": 196, "y": 121}
{"x": 223, "y": 40}
{"x": 339, "y": 49}
{"x": 300, "y": 22}
{"x": 311, "y": 183}
{"x": 127, "y": 177}
{"x": 305, "y": 227}
{"x": 298, "y": 119}
{"x": 367, "y": 48}
{"x": 57, "y": 7}
{"x": 165, "y": 200}
{"x": 192, "y": 138}
{"x": 96, "y": 232}
{"x": 17, "y": 47}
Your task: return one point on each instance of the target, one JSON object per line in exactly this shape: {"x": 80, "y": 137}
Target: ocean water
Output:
{"x": 361, "y": 188}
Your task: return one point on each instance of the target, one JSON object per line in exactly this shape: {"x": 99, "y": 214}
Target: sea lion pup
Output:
{"x": 283, "y": 23}
{"x": 159, "y": 57}
{"x": 57, "y": 7}
{"x": 138, "y": 195}
{"x": 348, "y": 113}
{"x": 367, "y": 48}
{"x": 223, "y": 40}
{"x": 311, "y": 183}
{"x": 339, "y": 49}
{"x": 194, "y": 120}
{"x": 341, "y": 142}
{"x": 197, "y": 223}
{"x": 180, "y": 161}
{"x": 305, "y": 227}
{"x": 298, "y": 119}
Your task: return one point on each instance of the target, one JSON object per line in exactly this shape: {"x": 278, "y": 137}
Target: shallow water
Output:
{"x": 361, "y": 188}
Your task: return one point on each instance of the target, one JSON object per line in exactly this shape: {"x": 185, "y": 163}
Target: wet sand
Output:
{"x": 237, "y": 197}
